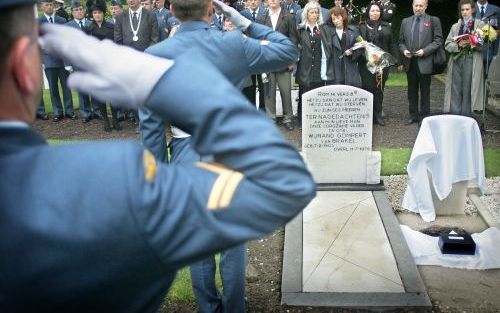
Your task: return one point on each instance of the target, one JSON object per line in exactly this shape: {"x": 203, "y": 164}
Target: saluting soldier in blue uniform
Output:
{"x": 118, "y": 250}
{"x": 236, "y": 56}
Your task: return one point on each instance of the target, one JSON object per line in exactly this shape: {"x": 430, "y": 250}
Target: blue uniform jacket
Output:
{"x": 107, "y": 231}
{"x": 235, "y": 55}
{"x": 48, "y": 60}
{"x": 293, "y": 8}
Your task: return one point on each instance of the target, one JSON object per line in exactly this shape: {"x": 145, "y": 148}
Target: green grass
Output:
{"x": 395, "y": 160}
{"x": 181, "y": 290}
{"x": 397, "y": 80}
{"x": 492, "y": 162}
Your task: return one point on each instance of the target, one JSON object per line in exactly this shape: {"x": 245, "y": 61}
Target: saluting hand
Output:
{"x": 238, "y": 20}
{"x": 109, "y": 72}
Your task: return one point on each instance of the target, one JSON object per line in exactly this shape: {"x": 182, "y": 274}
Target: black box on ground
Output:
{"x": 457, "y": 244}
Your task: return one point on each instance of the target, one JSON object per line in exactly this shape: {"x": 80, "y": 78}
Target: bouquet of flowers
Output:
{"x": 475, "y": 39}
{"x": 487, "y": 33}
{"x": 376, "y": 58}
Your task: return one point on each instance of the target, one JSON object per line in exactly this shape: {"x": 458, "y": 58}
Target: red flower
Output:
{"x": 469, "y": 24}
{"x": 317, "y": 31}
{"x": 427, "y": 24}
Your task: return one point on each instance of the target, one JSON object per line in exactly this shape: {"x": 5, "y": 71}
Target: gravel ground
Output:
{"x": 491, "y": 198}
{"x": 396, "y": 186}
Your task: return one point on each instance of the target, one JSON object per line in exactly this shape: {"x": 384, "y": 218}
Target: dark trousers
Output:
{"x": 257, "y": 83}
{"x": 416, "y": 82}
{"x": 54, "y": 76}
{"x": 249, "y": 93}
{"x": 370, "y": 84}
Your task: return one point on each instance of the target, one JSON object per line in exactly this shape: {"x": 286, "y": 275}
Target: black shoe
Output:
{"x": 379, "y": 121}
{"x": 57, "y": 118}
{"x": 411, "y": 121}
{"x": 107, "y": 127}
{"x": 289, "y": 126}
{"x": 97, "y": 116}
{"x": 42, "y": 116}
{"x": 71, "y": 116}
{"x": 87, "y": 119}
{"x": 116, "y": 125}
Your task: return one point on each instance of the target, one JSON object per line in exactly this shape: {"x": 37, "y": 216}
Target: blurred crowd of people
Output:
{"x": 331, "y": 44}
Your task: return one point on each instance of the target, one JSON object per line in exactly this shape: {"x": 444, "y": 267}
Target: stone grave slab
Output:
{"x": 337, "y": 135}
{"x": 346, "y": 250}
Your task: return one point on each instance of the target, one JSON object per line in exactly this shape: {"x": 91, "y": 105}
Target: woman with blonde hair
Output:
{"x": 314, "y": 69}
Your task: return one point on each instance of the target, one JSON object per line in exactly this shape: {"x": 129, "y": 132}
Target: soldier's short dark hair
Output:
{"x": 186, "y": 10}
{"x": 14, "y": 23}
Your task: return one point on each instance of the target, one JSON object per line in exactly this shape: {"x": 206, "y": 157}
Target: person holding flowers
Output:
{"x": 378, "y": 32}
{"x": 465, "y": 83}
{"x": 342, "y": 38}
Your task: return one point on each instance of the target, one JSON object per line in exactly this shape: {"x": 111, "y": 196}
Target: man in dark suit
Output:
{"x": 280, "y": 20}
{"x": 217, "y": 20}
{"x": 80, "y": 22}
{"x": 256, "y": 12}
{"x": 420, "y": 37}
{"x": 485, "y": 9}
{"x": 136, "y": 28}
{"x": 119, "y": 249}
{"x": 54, "y": 69}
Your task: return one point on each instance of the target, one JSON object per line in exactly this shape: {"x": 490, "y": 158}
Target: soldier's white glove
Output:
{"x": 109, "y": 72}
{"x": 238, "y": 20}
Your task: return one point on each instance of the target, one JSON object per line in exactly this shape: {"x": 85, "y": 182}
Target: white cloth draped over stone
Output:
{"x": 449, "y": 147}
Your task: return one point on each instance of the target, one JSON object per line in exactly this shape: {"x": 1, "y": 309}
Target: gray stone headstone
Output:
{"x": 337, "y": 135}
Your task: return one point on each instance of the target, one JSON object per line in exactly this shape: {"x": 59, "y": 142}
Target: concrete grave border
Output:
{"x": 291, "y": 283}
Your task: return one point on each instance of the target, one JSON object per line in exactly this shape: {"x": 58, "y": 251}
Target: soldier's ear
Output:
{"x": 24, "y": 62}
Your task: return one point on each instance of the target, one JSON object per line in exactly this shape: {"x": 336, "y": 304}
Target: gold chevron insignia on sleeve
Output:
{"x": 224, "y": 187}
{"x": 149, "y": 163}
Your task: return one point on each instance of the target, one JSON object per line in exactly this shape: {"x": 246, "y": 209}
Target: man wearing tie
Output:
{"x": 490, "y": 13}
{"x": 136, "y": 28}
{"x": 80, "y": 22}
{"x": 54, "y": 69}
{"x": 256, "y": 12}
{"x": 217, "y": 19}
{"x": 420, "y": 37}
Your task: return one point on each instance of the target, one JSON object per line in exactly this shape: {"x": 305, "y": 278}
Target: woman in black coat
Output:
{"x": 379, "y": 33}
{"x": 313, "y": 69}
{"x": 342, "y": 38}
{"x": 102, "y": 29}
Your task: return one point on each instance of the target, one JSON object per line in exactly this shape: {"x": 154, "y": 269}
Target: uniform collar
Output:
{"x": 14, "y": 138}
{"x": 189, "y": 26}
{"x": 13, "y": 124}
